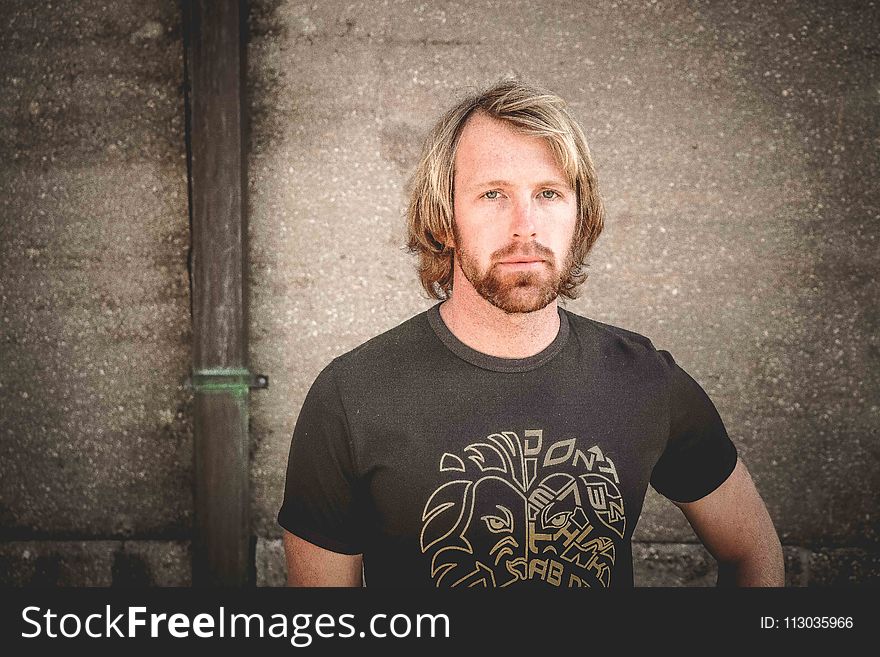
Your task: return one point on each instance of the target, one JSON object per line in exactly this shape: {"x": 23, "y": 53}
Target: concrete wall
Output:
{"x": 737, "y": 158}
{"x": 95, "y": 434}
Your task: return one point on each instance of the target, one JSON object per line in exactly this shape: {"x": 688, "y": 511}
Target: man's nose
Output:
{"x": 523, "y": 224}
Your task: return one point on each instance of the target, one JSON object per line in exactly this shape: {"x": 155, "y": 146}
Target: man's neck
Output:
{"x": 490, "y": 330}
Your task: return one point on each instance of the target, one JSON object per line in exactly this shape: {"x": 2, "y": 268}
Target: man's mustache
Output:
{"x": 531, "y": 250}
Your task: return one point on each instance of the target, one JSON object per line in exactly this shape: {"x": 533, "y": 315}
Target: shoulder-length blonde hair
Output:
{"x": 530, "y": 111}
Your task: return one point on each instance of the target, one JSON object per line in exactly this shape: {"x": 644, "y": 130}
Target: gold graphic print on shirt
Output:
{"x": 519, "y": 509}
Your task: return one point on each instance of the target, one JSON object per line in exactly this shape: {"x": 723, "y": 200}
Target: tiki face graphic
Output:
{"x": 514, "y": 512}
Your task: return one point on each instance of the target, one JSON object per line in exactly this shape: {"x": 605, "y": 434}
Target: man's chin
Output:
{"x": 521, "y": 299}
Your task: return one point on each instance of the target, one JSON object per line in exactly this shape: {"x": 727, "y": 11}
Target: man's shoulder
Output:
{"x": 397, "y": 347}
{"x": 612, "y": 339}
{"x": 607, "y": 331}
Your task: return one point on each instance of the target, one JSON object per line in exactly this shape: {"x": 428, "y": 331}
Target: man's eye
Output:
{"x": 491, "y": 195}
{"x": 549, "y": 194}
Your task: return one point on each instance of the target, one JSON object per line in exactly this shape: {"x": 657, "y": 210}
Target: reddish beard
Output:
{"x": 516, "y": 291}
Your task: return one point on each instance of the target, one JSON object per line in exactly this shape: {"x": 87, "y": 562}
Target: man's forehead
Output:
{"x": 480, "y": 127}
{"x": 494, "y": 152}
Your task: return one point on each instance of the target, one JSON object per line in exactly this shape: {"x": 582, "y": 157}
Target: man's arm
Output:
{"x": 733, "y": 524}
{"x": 310, "y": 565}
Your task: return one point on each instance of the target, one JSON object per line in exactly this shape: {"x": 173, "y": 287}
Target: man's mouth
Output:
{"x": 522, "y": 263}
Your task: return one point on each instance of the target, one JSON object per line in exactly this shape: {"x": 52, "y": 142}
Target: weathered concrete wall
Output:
{"x": 737, "y": 157}
{"x": 95, "y": 439}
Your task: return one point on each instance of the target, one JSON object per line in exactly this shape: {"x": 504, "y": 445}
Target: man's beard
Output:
{"x": 516, "y": 291}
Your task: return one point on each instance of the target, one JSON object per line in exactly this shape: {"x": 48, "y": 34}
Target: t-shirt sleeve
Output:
{"x": 699, "y": 456}
{"x": 320, "y": 494}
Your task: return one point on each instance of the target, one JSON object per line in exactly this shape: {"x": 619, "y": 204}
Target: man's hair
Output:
{"x": 529, "y": 111}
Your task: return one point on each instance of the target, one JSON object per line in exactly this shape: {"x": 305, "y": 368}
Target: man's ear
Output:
{"x": 445, "y": 241}
{"x": 449, "y": 239}
{"x": 438, "y": 241}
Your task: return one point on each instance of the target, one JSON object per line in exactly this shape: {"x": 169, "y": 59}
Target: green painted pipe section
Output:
{"x": 232, "y": 380}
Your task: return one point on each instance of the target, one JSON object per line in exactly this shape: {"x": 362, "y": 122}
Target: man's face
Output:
{"x": 514, "y": 217}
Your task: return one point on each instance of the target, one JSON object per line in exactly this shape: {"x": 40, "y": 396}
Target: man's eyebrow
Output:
{"x": 552, "y": 182}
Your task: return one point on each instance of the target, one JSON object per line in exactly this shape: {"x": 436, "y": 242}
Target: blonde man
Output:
{"x": 498, "y": 439}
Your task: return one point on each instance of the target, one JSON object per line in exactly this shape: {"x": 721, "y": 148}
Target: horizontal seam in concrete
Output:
{"x": 66, "y": 538}
{"x": 803, "y": 550}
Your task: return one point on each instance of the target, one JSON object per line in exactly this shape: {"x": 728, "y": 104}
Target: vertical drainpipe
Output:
{"x": 214, "y": 38}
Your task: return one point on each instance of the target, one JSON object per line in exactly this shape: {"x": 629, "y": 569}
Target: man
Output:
{"x": 498, "y": 439}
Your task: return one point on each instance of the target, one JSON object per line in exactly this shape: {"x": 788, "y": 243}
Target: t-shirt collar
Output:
{"x": 496, "y": 363}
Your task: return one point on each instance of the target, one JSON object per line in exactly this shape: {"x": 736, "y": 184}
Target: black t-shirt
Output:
{"x": 448, "y": 467}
